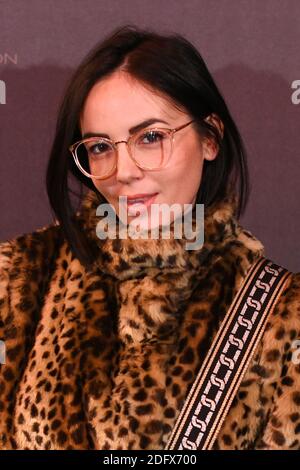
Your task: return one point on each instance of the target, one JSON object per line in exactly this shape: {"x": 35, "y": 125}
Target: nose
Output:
{"x": 126, "y": 167}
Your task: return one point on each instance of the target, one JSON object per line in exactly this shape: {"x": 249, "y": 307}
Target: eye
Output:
{"x": 98, "y": 148}
{"x": 151, "y": 137}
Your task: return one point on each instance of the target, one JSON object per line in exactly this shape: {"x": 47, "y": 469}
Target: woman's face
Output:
{"x": 119, "y": 103}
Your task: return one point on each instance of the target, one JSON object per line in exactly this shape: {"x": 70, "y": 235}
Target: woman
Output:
{"x": 104, "y": 336}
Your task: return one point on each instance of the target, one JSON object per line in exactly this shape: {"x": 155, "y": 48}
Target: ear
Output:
{"x": 216, "y": 121}
{"x": 210, "y": 148}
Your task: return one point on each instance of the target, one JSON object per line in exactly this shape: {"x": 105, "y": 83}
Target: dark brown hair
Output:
{"x": 172, "y": 66}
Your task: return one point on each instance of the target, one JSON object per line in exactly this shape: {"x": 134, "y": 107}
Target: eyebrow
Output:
{"x": 132, "y": 130}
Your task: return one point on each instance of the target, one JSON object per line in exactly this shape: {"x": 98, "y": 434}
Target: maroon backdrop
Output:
{"x": 252, "y": 49}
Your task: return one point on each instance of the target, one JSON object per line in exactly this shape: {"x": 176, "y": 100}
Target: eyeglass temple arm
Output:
{"x": 183, "y": 125}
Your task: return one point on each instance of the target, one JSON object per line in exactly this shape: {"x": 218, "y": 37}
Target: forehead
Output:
{"x": 120, "y": 100}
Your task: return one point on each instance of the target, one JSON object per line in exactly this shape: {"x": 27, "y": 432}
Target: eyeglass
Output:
{"x": 150, "y": 149}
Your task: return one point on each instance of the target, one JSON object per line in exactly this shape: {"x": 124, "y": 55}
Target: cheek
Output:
{"x": 184, "y": 176}
{"x": 104, "y": 188}
{"x": 192, "y": 164}
{"x": 189, "y": 181}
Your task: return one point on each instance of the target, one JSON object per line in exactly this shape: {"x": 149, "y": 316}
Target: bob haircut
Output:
{"x": 172, "y": 67}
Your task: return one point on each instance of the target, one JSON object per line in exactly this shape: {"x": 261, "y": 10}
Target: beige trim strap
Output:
{"x": 218, "y": 380}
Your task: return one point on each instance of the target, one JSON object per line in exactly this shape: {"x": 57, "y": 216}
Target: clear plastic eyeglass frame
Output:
{"x": 129, "y": 142}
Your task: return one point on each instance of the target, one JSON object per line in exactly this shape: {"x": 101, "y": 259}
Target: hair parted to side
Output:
{"x": 152, "y": 59}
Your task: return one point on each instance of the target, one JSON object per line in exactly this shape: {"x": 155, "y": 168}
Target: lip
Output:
{"x": 141, "y": 196}
{"x": 141, "y": 206}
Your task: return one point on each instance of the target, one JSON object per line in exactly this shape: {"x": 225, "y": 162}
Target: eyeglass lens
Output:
{"x": 149, "y": 149}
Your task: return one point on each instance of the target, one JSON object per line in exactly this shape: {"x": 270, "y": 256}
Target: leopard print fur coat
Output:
{"x": 103, "y": 358}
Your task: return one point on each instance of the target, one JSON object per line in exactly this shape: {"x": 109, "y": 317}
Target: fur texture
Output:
{"x": 104, "y": 358}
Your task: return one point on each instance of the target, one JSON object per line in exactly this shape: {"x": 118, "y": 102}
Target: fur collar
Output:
{"x": 127, "y": 258}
